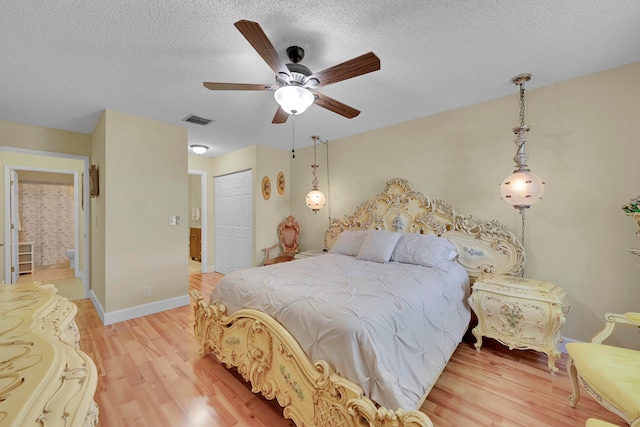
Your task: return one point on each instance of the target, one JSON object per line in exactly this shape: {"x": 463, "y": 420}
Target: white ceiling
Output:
{"x": 65, "y": 61}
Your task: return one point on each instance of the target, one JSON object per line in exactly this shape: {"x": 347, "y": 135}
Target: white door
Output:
{"x": 233, "y": 224}
{"x": 15, "y": 222}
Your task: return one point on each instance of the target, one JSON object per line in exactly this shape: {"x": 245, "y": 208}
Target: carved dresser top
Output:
{"x": 44, "y": 377}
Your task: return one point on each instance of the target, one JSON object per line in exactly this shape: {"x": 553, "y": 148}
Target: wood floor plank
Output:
{"x": 150, "y": 374}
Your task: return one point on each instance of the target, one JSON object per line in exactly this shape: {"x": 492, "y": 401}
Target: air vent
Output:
{"x": 192, "y": 118}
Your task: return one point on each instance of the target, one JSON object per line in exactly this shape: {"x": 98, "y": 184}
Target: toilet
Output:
{"x": 71, "y": 254}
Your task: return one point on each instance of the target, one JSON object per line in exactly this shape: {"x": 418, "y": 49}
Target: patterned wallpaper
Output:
{"x": 46, "y": 218}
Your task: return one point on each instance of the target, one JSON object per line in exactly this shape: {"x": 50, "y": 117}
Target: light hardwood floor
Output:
{"x": 150, "y": 374}
{"x": 61, "y": 275}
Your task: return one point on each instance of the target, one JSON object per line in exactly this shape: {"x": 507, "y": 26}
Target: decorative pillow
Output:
{"x": 348, "y": 242}
{"x": 424, "y": 249}
{"x": 378, "y": 246}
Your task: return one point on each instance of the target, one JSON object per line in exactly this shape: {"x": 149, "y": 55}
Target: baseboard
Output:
{"x": 137, "y": 311}
{"x": 96, "y": 304}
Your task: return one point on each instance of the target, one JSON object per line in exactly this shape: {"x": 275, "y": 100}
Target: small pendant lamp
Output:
{"x": 522, "y": 188}
{"x": 315, "y": 197}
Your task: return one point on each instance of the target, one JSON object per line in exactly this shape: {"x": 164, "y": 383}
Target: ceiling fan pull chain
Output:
{"x": 293, "y": 136}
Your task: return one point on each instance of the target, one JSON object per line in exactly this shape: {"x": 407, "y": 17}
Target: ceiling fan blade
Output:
{"x": 235, "y": 86}
{"x": 355, "y": 67}
{"x": 260, "y": 42}
{"x": 336, "y": 106}
{"x": 280, "y": 117}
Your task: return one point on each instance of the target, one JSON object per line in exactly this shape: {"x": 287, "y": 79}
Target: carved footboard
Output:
{"x": 268, "y": 357}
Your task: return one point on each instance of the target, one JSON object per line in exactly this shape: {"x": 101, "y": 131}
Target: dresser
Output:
{"x": 520, "y": 313}
{"x": 195, "y": 243}
{"x": 46, "y": 379}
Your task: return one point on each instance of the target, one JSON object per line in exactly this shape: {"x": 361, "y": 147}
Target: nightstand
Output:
{"x": 311, "y": 253}
{"x": 519, "y": 313}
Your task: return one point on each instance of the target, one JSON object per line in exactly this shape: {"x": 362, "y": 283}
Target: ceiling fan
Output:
{"x": 294, "y": 79}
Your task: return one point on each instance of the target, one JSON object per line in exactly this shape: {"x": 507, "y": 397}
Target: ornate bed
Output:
{"x": 312, "y": 393}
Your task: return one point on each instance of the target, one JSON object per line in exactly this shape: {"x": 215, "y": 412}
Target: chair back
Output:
{"x": 289, "y": 233}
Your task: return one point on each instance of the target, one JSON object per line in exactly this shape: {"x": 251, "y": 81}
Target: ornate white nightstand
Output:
{"x": 310, "y": 253}
{"x": 519, "y": 313}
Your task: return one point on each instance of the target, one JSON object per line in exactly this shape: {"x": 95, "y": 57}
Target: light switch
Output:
{"x": 174, "y": 220}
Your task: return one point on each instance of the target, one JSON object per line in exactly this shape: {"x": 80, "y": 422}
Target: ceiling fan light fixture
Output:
{"x": 293, "y": 99}
{"x": 199, "y": 149}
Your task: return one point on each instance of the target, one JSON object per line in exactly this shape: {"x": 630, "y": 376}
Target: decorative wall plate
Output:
{"x": 266, "y": 187}
{"x": 94, "y": 182}
{"x": 280, "y": 183}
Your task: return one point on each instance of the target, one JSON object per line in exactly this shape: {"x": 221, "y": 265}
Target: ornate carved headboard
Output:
{"x": 482, "y": 247}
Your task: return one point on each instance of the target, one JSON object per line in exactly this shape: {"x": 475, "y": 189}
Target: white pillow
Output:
{"x": 348, "y": 242}
{"x": 378, "y": 246}
{"x": 424, "y": 249}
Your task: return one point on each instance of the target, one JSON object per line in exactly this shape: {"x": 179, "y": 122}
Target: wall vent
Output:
{"x": 192, "y": 118}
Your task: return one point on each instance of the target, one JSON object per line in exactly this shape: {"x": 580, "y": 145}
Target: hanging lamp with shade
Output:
{"x": 522, "y": 188}
{"x": 315, "y": 198}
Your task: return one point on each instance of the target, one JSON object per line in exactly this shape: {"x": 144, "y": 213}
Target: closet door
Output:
{"x": 233, "y": 222}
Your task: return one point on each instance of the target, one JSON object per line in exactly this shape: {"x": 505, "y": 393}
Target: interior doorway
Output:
{"x": 198, "y": 233}
{"x": 70, "y": 171}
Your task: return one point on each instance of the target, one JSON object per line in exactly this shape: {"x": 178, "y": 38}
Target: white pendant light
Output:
{"x": 199, "y": 149}
{"x": 293, "y": 99}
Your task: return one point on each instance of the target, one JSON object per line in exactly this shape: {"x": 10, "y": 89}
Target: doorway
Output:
{"x": 69, "y": 171}
{"x": 198, "y": 233}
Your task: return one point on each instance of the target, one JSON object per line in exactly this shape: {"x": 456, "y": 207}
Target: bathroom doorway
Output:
{"x": 54, "y": 252}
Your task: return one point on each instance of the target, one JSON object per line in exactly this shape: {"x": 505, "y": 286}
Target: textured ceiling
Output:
{"x": 65, "y": 61}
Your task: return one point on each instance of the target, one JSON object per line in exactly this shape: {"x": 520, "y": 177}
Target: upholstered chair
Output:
{"x": 287, "y": 247}
{"x": 610, "y": 374}
{"x": 592, "y": 422}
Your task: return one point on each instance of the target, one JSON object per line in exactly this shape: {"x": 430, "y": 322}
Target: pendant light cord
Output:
{"x": 328, "y": 184}
{"x": 315, "y": 139}
{"x": 293, "y": 136}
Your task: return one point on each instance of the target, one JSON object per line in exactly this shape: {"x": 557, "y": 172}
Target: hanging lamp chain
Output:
{"x": 314, "y": 167}
{"x": 314, "y": 153}
{"x": 522, "y": 105}
{"x": 520, "y": 131}
{"x": 522, "y": 238}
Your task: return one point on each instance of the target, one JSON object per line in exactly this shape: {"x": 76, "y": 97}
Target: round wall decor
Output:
{"x": 280, "y": 183}
{"x": 266, "y": 187}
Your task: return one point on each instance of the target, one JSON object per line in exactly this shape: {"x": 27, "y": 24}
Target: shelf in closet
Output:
{"x": 25, "y": 257}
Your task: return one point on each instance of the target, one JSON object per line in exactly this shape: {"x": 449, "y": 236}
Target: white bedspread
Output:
{"x": 390, "y": 328}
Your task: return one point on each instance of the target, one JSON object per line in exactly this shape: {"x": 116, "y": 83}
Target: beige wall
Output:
{"x": 21, "y": 135}
{"x": 269, "y": 213}
{"x": 97, "y": 229}
{"x": 141, "y": 186}
{"x": 583, "y": 143}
